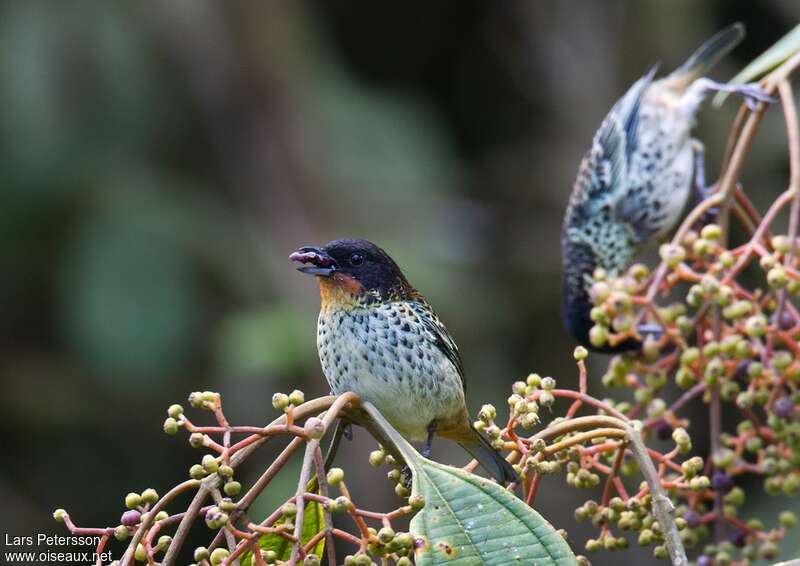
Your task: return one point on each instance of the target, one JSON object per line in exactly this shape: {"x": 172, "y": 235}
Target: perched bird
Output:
{"x": 378, "y": 337}
{"x": 636, "y": 178}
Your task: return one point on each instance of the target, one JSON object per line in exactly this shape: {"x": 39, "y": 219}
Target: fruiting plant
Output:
{"x": 729, "y": 336}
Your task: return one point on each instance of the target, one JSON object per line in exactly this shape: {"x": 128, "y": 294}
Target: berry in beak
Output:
{"x": 318, "y": 260}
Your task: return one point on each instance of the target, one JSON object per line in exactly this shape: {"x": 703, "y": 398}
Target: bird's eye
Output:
{"x": 356, "y": 260}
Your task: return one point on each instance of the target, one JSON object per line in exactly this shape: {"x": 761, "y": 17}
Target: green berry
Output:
{"x": 201, "y": 553}
{"x": 416, "y": 501}
{"x": 711, "y": 232}
{"x": 133, "y": 500}
{"x": 386, "y": 535}
{"x": 335, "y": 476}
{"x": 59, "y": 515}
{"x": 149, "y": 495}
{"x": 232, "y": 488}
{"x": 121, "y": 533}
{"x": 580, "y": 353}
{"x": 219, "y": 555}
{"x": 225, "y": 471}
{"x": 140, "y": 554}
{"x": 175, "y": 411}
{"x": 210, "y": 463}
{"x": 297, "y": 397}
{"x": 197, "y": 472}
{"x": 280, "y": 401}
{"x": 170, "y": 426}
{"x": 376, "y": 458}
{"x": 598, "y": 336}
{"x": 788, "y": 519}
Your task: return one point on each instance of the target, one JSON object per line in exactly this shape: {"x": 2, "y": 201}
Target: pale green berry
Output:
{"x": 170, "y": 426}
{"x": 232, "y": 488}
{"x": 297, "y": 397}
{"x": 149, "y": 495}
{"x": 133, "y": 500}
{"x": 335, "y": 476}
{"x": 175, "y": 411}
{"x": 280, "y": 401}
{"x": 219, "y": 555}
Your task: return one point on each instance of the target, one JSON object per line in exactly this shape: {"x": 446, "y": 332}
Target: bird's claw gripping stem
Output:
{"x": 752, "y": 93}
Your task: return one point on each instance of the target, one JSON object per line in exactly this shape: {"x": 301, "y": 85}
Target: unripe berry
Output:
{"x": 140, "y": 554}
{"x": 756, "y": 326}
{"x": 787, "y": 519}
{"x": 711, "y": 232}
{"x": 297, "y": 397}
{"x": 170, "y": 426}
{"x": 59, "y": 515}
{"x": 776, "y": 277}
{"x": 386, "y": 534}
{"x": 210, "y": 463}
{"x": 335, "y": 476}
{"x": 580, "y": 353}
{"x": 376, "y": 457}
{"x": 781, "y": 244}
{"x": 121, "y": 533}
{"x": 314, "y": 428}
{"x": 416, "y": 501}
{"x": 219, "y": 555}
{"x": 487, "y": 413}
{"x": 133, "y": 500}
{"x": 672, "y": 255}
{"x": 201, "y": 553}
{"x": 197, "y": 472}
{"x": 149, "y": 495}
{"x": 280, "y": 401}
{"x": 196, "y": 440}
{"x": 175, "y": 411}
{"x": 232, "y": 488}
{"x": 225, "y": 471}
{"x": 598, "y": 336}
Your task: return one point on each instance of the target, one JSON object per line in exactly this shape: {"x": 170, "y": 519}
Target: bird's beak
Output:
{"x": 320, "y": 263}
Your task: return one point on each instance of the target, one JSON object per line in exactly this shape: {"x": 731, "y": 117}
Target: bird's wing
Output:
{"x": 603, "y": 172}
{"x": 436, "y": 333}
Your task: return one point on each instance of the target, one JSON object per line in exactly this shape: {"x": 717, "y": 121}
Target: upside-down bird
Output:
{"x": 636, "y": 178}
{"x": 377, "y": 336}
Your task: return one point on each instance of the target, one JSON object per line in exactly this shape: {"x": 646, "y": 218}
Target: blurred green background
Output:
{"x": 159, "y": 160}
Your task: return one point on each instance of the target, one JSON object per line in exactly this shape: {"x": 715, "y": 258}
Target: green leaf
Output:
{"x": 468, "y": 520}
{"x": 312, "y": 524}
{"x": 773, "y": 57}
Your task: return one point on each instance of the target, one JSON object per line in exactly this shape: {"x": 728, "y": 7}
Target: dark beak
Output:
{"x": 318, "y": 260}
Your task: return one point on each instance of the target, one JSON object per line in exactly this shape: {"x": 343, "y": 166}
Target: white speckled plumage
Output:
{"x": 636, "y": 178}
{"x": 384, "y": 353}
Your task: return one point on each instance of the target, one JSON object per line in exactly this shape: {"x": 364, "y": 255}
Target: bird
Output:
{"x": 378, "y": 337}
{"x": 635, "y": 179}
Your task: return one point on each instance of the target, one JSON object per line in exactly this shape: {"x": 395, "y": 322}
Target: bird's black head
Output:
{"x": 357, "y": 266}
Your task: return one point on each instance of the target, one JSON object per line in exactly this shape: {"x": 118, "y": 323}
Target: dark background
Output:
{"x": 159, "y": 160}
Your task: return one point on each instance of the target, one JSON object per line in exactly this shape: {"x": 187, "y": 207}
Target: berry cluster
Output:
{"x": 234, "y": 537}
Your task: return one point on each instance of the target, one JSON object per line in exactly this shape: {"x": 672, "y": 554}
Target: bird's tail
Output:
{"x": 491, "y": 460}
{"x": 709, "y": 54}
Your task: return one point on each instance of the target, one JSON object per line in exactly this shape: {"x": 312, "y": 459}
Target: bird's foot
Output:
{"x": 650, "y": 330}
{"x": 752, "y": 93}
{"x": 426, "y": 452}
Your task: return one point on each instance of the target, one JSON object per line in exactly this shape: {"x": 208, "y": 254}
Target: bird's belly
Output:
{"x": 400, "y": 372}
